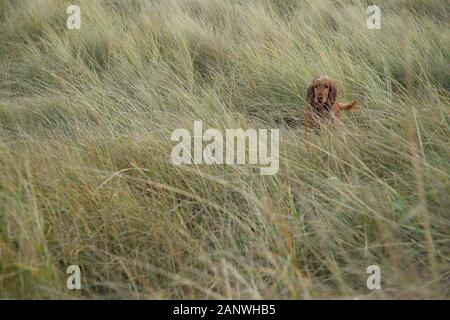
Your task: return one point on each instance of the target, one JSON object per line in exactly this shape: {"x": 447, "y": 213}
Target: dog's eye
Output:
{"x": 326, "y": 86}
{"x": 316, "y": 86}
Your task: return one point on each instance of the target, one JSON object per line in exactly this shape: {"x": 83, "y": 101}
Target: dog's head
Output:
{"x": 322, "y": 92}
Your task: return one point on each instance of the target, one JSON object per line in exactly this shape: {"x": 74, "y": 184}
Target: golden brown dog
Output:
{"x": 323, "y": 106}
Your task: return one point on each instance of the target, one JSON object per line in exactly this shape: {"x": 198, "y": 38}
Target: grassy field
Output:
{"x": 85, "y": 173}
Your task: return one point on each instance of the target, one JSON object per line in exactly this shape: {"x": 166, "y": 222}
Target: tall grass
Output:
{"x": 85, "y": 123}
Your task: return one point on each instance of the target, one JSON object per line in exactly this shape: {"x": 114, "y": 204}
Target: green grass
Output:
{"x": 85, "y": 123}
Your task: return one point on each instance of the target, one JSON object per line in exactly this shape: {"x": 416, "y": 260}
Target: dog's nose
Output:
{"x": 319, "y": 99}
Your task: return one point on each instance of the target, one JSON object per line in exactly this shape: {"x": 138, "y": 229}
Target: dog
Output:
{"x": 323, "y": 107}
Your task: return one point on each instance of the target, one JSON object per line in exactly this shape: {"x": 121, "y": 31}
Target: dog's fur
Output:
{"x": 323, "y": 106}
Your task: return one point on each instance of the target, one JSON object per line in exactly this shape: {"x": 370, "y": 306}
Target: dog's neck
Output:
{"x": 322, "y": 107}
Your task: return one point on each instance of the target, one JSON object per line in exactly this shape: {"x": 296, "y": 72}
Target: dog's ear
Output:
{"x": 310, "y": 94}
{"x": 332, "y": 93}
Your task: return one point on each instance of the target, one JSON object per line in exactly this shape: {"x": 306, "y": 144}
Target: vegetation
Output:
{"x": 86, "y": 179}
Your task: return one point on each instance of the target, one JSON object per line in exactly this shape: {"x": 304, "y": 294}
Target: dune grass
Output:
{"x": 85, "y": 123}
